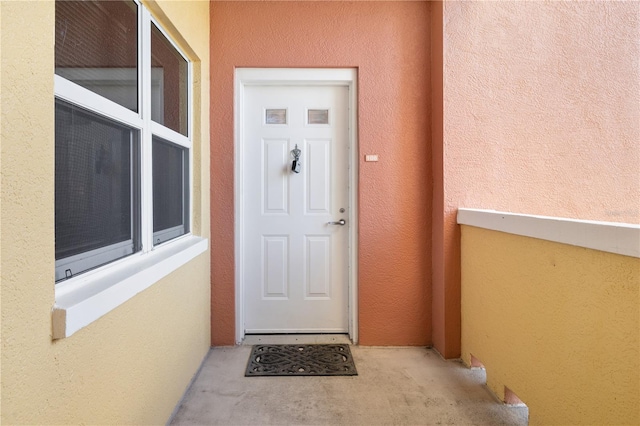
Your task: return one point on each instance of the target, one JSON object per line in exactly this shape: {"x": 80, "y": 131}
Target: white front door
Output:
{"x": 294, "y": 260}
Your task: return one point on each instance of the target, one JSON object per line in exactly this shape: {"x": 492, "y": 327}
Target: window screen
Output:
{"x": 96, "y": 171}
{"x": 170, "y": 190}
{"x": 172, "y": 70}
{"x": 97, "y": 47}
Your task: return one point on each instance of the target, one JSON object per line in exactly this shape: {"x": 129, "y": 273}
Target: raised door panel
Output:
{"x": 275, "y": 266}
{"x": 318, "y": 266}
{"x": 318, "y": 176}
{"x": 275, "y": 180}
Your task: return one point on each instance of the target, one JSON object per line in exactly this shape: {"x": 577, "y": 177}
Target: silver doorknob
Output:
{"x": 340, "y": 222}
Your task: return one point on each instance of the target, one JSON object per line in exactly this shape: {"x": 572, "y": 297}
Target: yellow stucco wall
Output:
{"x": 557, "y": 324}
{"x": 132, "y": 365}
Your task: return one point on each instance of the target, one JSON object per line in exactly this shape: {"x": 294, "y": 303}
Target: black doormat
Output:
{"x": 300, "y": 360}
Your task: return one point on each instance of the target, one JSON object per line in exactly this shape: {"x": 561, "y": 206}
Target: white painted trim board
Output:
{"x": 611, "y": 237}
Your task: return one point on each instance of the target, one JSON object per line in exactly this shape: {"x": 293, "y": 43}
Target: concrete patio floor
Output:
{"x": 394, "y": 386}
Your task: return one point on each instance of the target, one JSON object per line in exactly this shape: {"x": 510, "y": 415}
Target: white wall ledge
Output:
{"x": 611, "y": 237}
{"x": 82, "y": 300}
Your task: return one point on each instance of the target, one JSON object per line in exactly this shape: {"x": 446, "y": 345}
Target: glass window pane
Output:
{"x": 170, "y": 190}
{"x": 169, "y": 84}
{"x": 97, "y": 47}
{"x": 318, "y": 116}
{"x": 275, "y": 116}
{"x": 96, "y": 187}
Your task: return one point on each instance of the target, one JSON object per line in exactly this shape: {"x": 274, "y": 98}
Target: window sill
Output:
{"x": 82, "y": 300}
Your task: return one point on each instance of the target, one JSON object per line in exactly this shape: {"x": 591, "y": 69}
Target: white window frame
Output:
{"x": 86, "y": 297}
{"x": 121, "y": 77}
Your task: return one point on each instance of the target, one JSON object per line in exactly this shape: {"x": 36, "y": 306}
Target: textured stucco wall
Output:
{"x": 540, "y": 116}
{"x": 557, "y": 324}
{"x": 132, "y": 365}
{"x": 389, "y": 44}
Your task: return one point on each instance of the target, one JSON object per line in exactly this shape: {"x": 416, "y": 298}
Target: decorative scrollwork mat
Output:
{"x": 301, "y": 360}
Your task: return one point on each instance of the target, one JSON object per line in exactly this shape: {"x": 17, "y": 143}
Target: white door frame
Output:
{"x": 296, "y": 76}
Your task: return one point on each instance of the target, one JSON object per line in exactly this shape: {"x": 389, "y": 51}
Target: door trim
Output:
{"x": 295, "y": 76}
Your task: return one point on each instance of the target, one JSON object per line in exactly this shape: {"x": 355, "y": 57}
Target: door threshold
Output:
{"x": 294, "y": 339}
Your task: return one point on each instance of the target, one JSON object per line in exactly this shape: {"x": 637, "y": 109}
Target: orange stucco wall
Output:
{"x": 446, "y": 292}
{"x": 540, "y": 116}
{"x": 389, "y": 44}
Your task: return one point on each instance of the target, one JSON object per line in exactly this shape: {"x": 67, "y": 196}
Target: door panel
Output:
{"x": 276, "y": 186}
{"x": 295, "y": 264}
{"x": 275, "y": 275}
{"x": 318, "y": 266}
{"x": 318, "y": 177}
